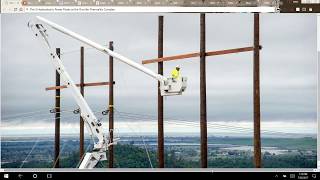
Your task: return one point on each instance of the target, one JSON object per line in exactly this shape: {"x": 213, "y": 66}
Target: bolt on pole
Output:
{"x": 203, "y": 98}
{"x": 160, "y": 98}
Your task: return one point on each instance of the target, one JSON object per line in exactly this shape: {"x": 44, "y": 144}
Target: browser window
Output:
{"x": 216, "y": 88}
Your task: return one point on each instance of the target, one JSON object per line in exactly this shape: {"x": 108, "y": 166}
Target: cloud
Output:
{"x": 288, "y": 64}
{"x": 173, "y": 127}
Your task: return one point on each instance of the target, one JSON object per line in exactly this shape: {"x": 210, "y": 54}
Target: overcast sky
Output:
{"x": 288, "y": 65}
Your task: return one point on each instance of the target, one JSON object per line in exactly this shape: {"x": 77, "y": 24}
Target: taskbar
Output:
{"x": 156, "y": 173}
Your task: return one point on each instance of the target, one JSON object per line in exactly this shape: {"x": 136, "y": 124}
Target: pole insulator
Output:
{"x": 105, "y": 112}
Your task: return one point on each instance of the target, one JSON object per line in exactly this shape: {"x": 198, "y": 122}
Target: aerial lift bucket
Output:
{"x": 173, "y": 86}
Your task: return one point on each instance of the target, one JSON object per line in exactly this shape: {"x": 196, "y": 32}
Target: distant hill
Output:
{"x": 131, "y": 156}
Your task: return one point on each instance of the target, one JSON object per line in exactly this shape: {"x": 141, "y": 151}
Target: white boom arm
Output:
{"x": 102, "y": 48}
{"x": 168, "y": 86}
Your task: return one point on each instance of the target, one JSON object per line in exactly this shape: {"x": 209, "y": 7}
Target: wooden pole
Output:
{"x": 203, "y": 100}
{"x": 111, "y": 123}
{"x": 256, "y": 95}
{"x": 57, "y": 119}
{"x": 81, "y": 145}
{"x": 160, "y": 98}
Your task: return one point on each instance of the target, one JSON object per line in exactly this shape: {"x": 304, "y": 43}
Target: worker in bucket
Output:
{"x": 175, "y": 73}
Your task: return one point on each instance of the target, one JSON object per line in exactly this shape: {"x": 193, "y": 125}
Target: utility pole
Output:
{"x": 160, "y": 98}
{"x": 81, "y": 145}
{"x": 110, "y": 158}
{"x": 256, "y": 93}
{"x": 203, "y": 98}
{"x": 57, "y": 119}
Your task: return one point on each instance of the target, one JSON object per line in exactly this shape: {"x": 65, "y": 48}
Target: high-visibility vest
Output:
{"x": 175, "y": 74}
